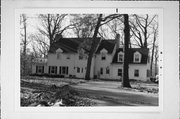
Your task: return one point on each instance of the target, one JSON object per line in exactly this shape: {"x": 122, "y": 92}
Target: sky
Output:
{"x": 33, "y": 23}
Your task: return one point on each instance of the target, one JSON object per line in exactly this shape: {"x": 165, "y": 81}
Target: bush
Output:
{"x": 48, "y": 75}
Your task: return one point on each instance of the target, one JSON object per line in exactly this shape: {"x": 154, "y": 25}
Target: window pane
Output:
{"x": 82, "y": 70}
{"x": 66, "y": 70}
{"x": 68, "y": 57}
{"x": 120, "y": 58}
{"x": 101, "y": 71}
{"x": 60, "y": 70}
{"x": 136, "y": 73}
{"x": 119, "y": 72}
{"x": 103, "y": 56}
{"x": 58, "y": 55}
{"x": 136, "y": 58}
{"x": 63, "y": 70}
{"x": 107, "y": 70}
{"x": 78, "y": 69}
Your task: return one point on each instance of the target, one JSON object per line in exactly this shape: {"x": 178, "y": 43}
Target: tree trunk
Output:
{"x": 152, "y": 55}
{"x": 125, "y": 80}
{"x": 24, "y": 45}
{"x": 93, "y": 48}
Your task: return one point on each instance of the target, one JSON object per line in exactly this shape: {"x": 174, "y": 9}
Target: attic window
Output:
{"x": 137, "y": 57}
{"x": 103, "y": 56}
{"x": 120, "y": 57}
{"x": 80, "y": 57}
{"x": 68, "y": 57}
{"x": 58, "y": 55}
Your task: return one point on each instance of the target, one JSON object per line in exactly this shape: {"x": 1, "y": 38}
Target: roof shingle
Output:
{"x": 106, "y": 44}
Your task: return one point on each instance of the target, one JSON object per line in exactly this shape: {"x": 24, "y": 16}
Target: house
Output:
{"x": 68, "y": 59}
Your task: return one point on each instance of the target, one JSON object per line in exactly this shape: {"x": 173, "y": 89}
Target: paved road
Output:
{"x": 110, "y": 94}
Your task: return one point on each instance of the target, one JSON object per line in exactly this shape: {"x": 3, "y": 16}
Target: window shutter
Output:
{"x": 55, "y": 70}
{"x": 59, "y": 70}
{"x": 36, "y": 69}
{"x": 66, "y": 70}
{"x": 42, "y": 69}
{"x": 49, "y": 69}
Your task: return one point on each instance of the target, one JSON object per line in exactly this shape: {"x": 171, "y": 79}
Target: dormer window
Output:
{"x": 80, "y": 57}
{"x": 68, "y": 57}
{"x": 137, "y": 57}
{"x": 58, "y": 53}
{"x": 120, "y": 57}
{"x": 103, "y": 54}
{"x": 81, "y": 54}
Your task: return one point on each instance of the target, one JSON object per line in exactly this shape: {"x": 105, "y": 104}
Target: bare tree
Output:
{"x": 156, "y": 55}
{"x": 40, "y": 45}
{"x": 140, "y": 28}
{"x": 155, "y": 30}
{"x": 84, "y": 24}
{"x": 52, "y": 24}
{"x": 23, "y": 22}
{"x": 95, "y": 42}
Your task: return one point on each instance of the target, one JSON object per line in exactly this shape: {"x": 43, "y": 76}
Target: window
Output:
{"x": 81, "y": 70}
{"x": 63, "y": 70}
{"x": 101, "y": 71}
{"x": 80, "y": 57}
{"x": 103, "y": 56}
{"x": 107, "y": 70}
{"x": 137, "y": 57}
{"x": 120, "y": 57}
{"x": 119, "y": 72}
{"x": 40, "y": 69}
{"x": 148, "y": 73}
{"x": 58, "y": 55}
{"x": 68, "y": 57}
{"x": 136, "y": 73}
{"x": 52, "y": 69}
{"x": 78, "y": 70}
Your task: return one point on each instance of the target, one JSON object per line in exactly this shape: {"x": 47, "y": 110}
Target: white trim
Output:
{"x": 59, "y": 50}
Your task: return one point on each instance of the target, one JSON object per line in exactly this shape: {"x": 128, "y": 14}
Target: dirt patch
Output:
{"x": 35, "y": 94}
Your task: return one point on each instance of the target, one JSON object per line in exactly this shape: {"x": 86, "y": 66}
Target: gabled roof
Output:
{"x": 106, "y": 44}
{"x": 68, "y": 45}
{"x": 143, "y": 51}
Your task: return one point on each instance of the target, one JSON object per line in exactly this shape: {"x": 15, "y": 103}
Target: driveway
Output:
{"x": 108, "y": 93}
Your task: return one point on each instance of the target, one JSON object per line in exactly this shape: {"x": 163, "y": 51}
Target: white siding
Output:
{"x": 114, "y": 73}
{"x": 142, "y": 71}
{"x": 72, "y": 64}
{"x": 63, "y": 61}
{"x": 132, "y": 67}
{"x": 99, "y": 63}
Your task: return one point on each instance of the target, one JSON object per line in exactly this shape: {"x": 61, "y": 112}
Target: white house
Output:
{"x": 67, "y": 59}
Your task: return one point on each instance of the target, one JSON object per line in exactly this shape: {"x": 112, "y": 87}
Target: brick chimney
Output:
{"x": 117, "y": 40}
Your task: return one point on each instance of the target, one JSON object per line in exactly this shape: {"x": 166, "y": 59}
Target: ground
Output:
{"x": 41, "y": 91}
